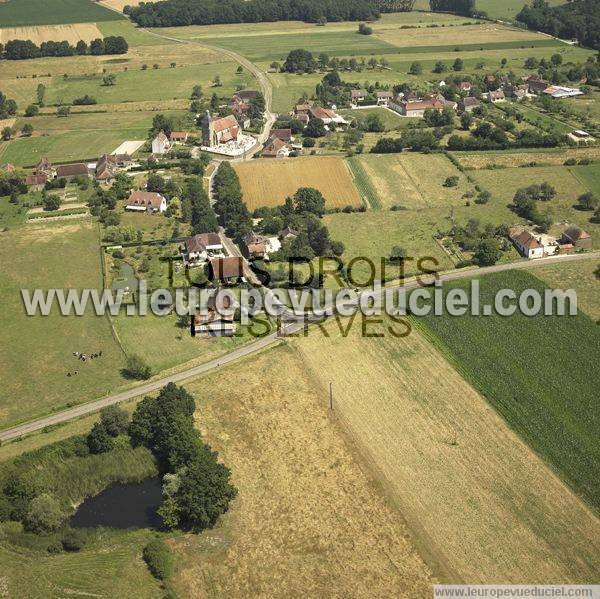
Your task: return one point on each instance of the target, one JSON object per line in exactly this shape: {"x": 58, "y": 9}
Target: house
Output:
{"x": 276, "y": 148}
{"x": 358, "y": 95}
{"x": 489, "y": 80}
{"x": 245, "y": 95}
{"x": 44, "y": 167}
{"x": 161, "y": 144}
{"x": 519, "y": 93}
{"x": 106, "y": 168}
{"x": 288, "y": 233}
{"x": 527, "y": 244}
{"x": 417, "y": 108}
{"x": 260, "y": 246}
{"x": 496, "y": 96}
{"x": 465, "y": 86}
{"x": 536, "y": 85}
{"x": 227, "y": 270}
{"x": 178, "y": 137}
{"x": 446, "y": 103}
{"x": 580, "y": 239}
{"x": 36, "y": 182}
{"x": 220, "y": 131}
{"x": 384, "y": 97}
{"x": 146, "y": 201}
{"x": 213, "y": 320}
{"x": 327, "y": 115}
{"x": 282, "y": 134}
{"x": 71, "y": 171}
{"x": 8, "y": 168}
{"x": 470, "y": 104}
{"x": 199, "y": 247}
{"x": 558, "y": 92}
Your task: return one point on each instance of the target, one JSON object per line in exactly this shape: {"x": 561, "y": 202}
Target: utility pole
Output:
{"x": 331, "y": 396}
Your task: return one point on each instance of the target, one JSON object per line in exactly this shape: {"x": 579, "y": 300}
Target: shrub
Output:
{"x": 451, "y": 181}
{"x": 138, "y": 368}
{"x": 158, "y": 558}
{"x": 570, "y": 162}
{"x": 73, "y": 540}
{"x": 44, "y": 515}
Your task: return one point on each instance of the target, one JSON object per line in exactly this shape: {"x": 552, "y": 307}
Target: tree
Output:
{"x": 315, "y": 128}
{"x": 239, "y": 70}
{"x": 364, "y": 29}
{"x": 98, "y": 439}
{"x": 138, "y": 368}
{"x": 197, "y": 92}
{"x": 81, "y": 48}
{"x": 109, "y": 80}
{"x": 398, "y": 253}
{"x": 97, "y": 47}
{"x": 31, "y": 110}
{"x": 217, "y": 81}
{"x": 299, "y": 61}
{"x": 115, "y": 420}
{"x": 556, "y": 60}
{"x": 458, "y": 65}
{"x": 63, "y": 111}
{"x": 50, "y": 202}
{"x": 44, "y": 515}
{"x": 488, "y": 252}
{"x": 203, "y": 217}
{"x": 275, "y": 66}
{"x": 466, "y": 120}
{"x": 451, "y": 181}
{"x": 374, "y": 124}
{"x": 504, "y": 62}
{"x": 415, "y": 68}
{"x": 587, "y": 201}
{"x": 440, "y": 67}
{"x": 73, "y": 539}
{"x": 7, "y": 133}
{"x": 41, "y": 93}
{"x": 309, "y": 199}
{"x": 26, "y": 130}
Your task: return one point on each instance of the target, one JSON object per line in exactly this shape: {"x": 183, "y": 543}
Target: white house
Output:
{"x": 527, "y": 244}
{"x": 146, "y": 201}
{"x": 161, "y": 144}
{"x": 384, "y": 97}
{"x": 199, "y": 248}
{"x": 496, "y": 96}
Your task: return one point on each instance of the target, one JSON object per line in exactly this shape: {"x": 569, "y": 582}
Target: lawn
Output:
{"x": 503, "y": 158}
{"x": 391, "y": 120}
{"x": 413, "y": 181}
{"x": 589, "y": 175}
{"x": 36, "y": 353}
{"x": 477, "y": 499}
{"x": 268, "y": 182}
{"x": 15, "y": 13}
{"x": 544, "y": 388}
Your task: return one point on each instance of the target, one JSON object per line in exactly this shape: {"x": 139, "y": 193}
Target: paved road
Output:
{"x": 294, "y": 324}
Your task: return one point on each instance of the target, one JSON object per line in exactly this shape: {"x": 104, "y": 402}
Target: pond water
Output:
{"x": 131, "y": 505}
{"x": 126, "y": 278}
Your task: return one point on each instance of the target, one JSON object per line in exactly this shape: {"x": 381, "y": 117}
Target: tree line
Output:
{"x": 578, "y": 20}
{"x": 25, "y": 49}
{"x": 232, "y": 212}
{"x": 208, "y": 12}
{"x": 465, "y": 8}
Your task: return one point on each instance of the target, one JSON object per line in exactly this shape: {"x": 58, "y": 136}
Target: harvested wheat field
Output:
{"x": 268, "y": 182}
{"x": 478, "y": 500}
{"x": 308, "y": 521}
{"x": 47, "y": 33}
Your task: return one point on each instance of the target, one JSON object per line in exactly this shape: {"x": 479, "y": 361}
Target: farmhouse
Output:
{"x": 215, "y": 320}
{"x": 219, "y": 131}
{"x": 470, "y": 104}
{"x": 106, "y": 168}
{"x": 527, "y": 244}
{"x": 282, "y": 134}
{"x": 384, "y": 97}
{"x": 44, "y": 167}
{"x": 145, "y": 201}
{"x": 36, "y": 182}
{"x": 465, "y": 86}
{"x": 161, "y": 144}
{"x": 327, "y": 115}
{"x": 227, "y": 270}
{"x": 535, "y": 84}
{"x": 288, "y": 234}
{"x": 198, "y": 248}
{"x": 580, "y": 239}
{"x": 496, "y": 96}
{"x": 276, "y": 148}
{"x": 260, "y": 246}
{"x": 71, "y": 171}
{"x": 358, "y": 95}
{"x": 418, "y": 107}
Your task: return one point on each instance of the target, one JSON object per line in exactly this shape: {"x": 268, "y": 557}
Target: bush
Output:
{"x": 308, "y": 142}
{"x": 73, "y": 540}
{"x": 98, "y": 440}
{"x": 138, "y": 368}
{"x": 451, "y": 181}
{"x": 570, "y": 162}
{"x": 115, "y": 420}
{"x": 158, "y": 558}
{"x": 44, "y": 515}
{"x": 54, "y": 548}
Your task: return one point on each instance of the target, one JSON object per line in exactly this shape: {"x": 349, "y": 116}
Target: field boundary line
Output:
{"x": 363, "y": 183}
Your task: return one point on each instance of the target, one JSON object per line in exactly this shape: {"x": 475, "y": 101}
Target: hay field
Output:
{"x": 16, "y": 13}
{"x": 414, "y": 181}
{"x": 36, "y": 352}
{"x": 308, "y": 519}
{"x": 513, "y": 159}
{"x": 268, "y": 182}
{"x": 485, "y": 507}
{"x": 121, "y": 4}
{"x": 47, "y": 33}
{"x": 487, "y": 33}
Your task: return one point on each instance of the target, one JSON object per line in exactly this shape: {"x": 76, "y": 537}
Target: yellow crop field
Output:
{"x": 46, "y": 33}
{"x": 268, "y": 182}
{"x": 484, "y": 506}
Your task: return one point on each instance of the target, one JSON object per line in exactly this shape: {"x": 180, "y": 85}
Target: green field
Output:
{"x": 36, "y": 353}
{"x": 589, "y": 175}
{"x": 496, "y": 9}
{"x": 391, "y": 120}
{"x": 16, "y": 13}
{"x": 539, "y": 373}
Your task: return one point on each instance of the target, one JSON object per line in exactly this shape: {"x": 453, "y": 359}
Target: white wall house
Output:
{"x": 146, "y": 201}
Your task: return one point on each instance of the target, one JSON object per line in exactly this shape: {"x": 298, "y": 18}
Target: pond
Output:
{"x": 122, "y": 505}
{"x": 126, "y": 278}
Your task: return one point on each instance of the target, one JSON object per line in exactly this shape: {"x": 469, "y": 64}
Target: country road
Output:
{"x": 296, "y": 324}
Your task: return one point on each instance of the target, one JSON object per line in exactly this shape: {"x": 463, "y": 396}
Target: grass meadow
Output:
{"x": 534, "y": 373}
{"x": 480, "y": 504}
{"x": 37, "y": 352}
{"x": 268, "y": 182}
{"x": 16, "y": 13}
